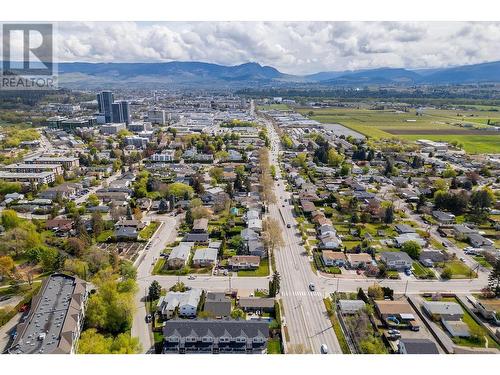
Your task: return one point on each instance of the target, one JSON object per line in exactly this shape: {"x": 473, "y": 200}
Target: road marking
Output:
{"x": 301, "y": 293}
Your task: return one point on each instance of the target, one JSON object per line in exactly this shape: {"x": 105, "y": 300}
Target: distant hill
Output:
{"x": 201, "y": 74}
{"x": 377, "y": 76}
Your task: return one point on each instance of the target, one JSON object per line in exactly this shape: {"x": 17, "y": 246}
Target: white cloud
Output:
{"x": 291, "y": 47}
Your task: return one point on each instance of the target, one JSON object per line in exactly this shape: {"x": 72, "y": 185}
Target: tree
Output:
{"x": 97, "y": 224}
{"x": 334, "y": 158}
{"x": 112, "y": 307}
{"x": 412, "y": 248}
{"x": 217, "y": 174}
{"x": 154, "y": 290}
{"x": 440, "y": 184}
{"x": 272, "y": 233}
{"x": 345, "y": 170}
{"x": 92, "y": 342}
{"x": 274, "y": 284}
{"x": 494, "y": 279}
{"x": 376, "y": 292}
{"x": 93, "y": 200}
{"x": 237, "y": 314}
{"x": 76, "y": 246}
{"x": 7, "y": 266}
{"x": 10, "y": 219}
{"x": 389, "y": 214}
{"x": 179, "y": 190}
{"x": 481, "y": 200}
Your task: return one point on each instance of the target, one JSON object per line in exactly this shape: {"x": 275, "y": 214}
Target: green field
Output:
{"x": 473, "y": 144}
{"x": 436, "y": 125}
{"x": 262, "y": 271}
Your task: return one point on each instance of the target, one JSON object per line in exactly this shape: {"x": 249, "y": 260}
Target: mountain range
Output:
{"x": 201, "y": 74}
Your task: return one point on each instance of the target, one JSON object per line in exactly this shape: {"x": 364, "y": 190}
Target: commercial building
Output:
{"x": 157, "y": 116}
{"x": 36, "y": 178}
{"x": 112, "y": 128}
{"x": 33, "y": 168}
{"x": 68, "y": 163}
{"x": 105, "y": 105}
{"x": 166, "y": 156}
{"x": 56, "y": 317}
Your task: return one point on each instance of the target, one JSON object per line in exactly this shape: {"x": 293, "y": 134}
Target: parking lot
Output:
{"x": 126, "y": 250}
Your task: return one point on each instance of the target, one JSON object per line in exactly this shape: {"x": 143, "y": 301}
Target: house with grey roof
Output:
{"x": 205, "y": 257}
{"x": 417, "y": 346}
{"x": 179, "y": 256}
{"x": 443, "y": 217}
{"x": 256, "y": 304}
{"x": 443, "y": 310}
{"x": 217, "y": 304}
{"x": 256, "y": 247}
{"x": 396, "y": 260}
{"x": 225, "y": 336}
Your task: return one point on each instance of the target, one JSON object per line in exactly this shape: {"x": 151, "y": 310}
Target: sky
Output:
{"x": 291, "y": 47}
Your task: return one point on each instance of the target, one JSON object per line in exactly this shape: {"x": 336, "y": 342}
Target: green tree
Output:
{"x": 345, "y": 170}
{"x": 237, "y": 314}
{"x": 179, "y": 190}
{"x": 412, "y": 248}
{"x": 10, "y": 219}
{"x": 93, "y": 200}
{"x": 154, "y": 290}
{"x": 274, "y": 284}
{"x": 376, "y": 292}
{"x": 334, "y": 158}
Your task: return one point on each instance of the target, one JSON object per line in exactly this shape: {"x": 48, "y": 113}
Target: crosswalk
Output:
{"x": 298, "y": 293}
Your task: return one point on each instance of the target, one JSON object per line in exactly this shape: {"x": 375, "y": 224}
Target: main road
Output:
{"x": 306, "y": 319}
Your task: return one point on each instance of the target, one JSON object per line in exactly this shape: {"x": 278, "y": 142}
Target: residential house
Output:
{"x": 429, "y": 257}
{"x": 333, "y": 258}
{"x": 197, "y": 238}
{"x": 443, "y": 217}
{"x": 184, "y": 303}
{"x": 244, "y": 262}
{"x": 217, "y": 304}
{"x": 329, "y": 241}
{"x": 417, "y": 346}
{"x": 256, "y": 304}
{"x": 215, "y": 336}
{"x": 397, "y": 260}
{"x": 256, "y": 247}
{"x": 361, "y": 260}
{"x": 443, "y": 310}
{"x": 200, "y": 225}
{"x": 179, "y": 256}
{"x": 396, "y": 313}
{"x": 206, "y": 257}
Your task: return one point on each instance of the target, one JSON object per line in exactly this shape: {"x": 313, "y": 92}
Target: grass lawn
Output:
{"x": 420, "y": 271}
{"x": 263, "y": 270}
{"x": 475, "y": 327}
{"x": 149, "y": 230}
{"x": 459, "y": 270}
{"x": 104, "y": 236}
{"x": 273, "y": 346}
{"x": 473, "y": 144}
{"x": 483, "y": 262}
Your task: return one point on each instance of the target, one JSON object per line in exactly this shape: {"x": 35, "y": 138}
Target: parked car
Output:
{"x": 408, "y": 272}
{"x": 191, "y": 277}
{"x": 149, "y": 318}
